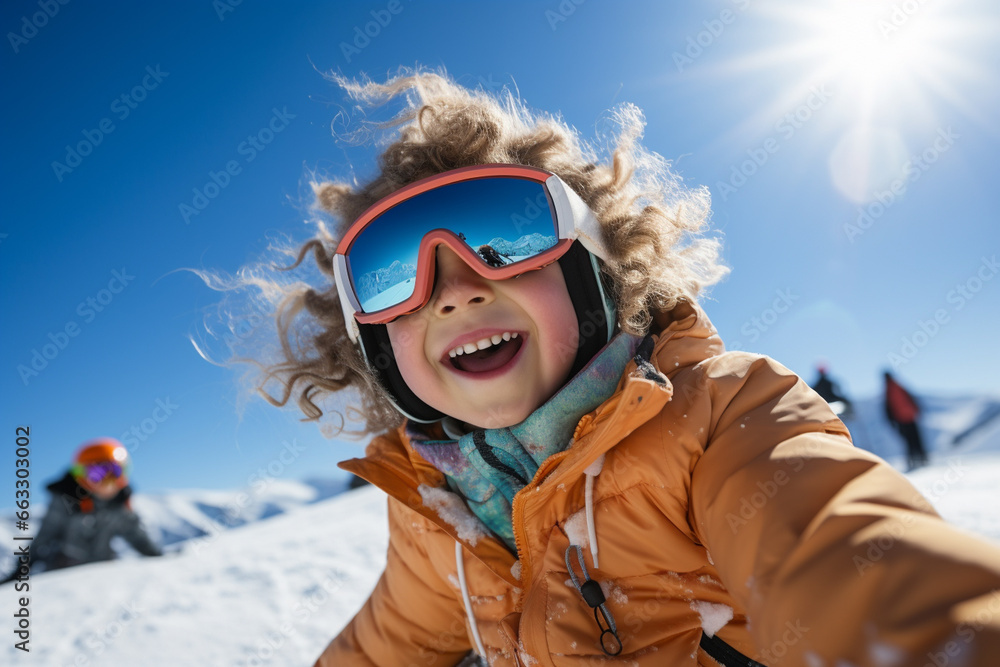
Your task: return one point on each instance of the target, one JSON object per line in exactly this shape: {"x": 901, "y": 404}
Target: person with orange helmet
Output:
{"x": 101, "y": 467}
{"x": 90, "y": 506}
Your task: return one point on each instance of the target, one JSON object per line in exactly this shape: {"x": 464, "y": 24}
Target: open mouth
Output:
{"x": 488, "y": 354}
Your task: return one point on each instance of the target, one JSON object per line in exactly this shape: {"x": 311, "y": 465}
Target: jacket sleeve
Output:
{"x": 412, "y": 617}
{"x": 132, "y": 530}
{"x": 834, "y": 555}
{"x": 52, "y": 533}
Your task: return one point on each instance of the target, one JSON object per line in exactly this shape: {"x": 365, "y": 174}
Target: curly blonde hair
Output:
{"x": 653, "y": 225}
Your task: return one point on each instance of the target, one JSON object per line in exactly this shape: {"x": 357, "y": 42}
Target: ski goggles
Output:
{"x": 501, "y": 219}
{"x": 95, "y": 473}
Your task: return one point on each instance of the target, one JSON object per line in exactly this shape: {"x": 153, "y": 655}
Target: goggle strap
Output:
{"x": 383, "y": 365}
{"x": 575, "y": 219}
{"x": 348, "y": 302}
{"x": 610, "y": 308}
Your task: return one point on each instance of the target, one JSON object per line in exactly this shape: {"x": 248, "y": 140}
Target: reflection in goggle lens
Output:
{"x": 503, "y": 220}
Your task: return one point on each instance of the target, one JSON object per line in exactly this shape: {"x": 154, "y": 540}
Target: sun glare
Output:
{"x": 871, "y": 51}
{"x": 870, "y": 48}
{"x": 888, "y": 66}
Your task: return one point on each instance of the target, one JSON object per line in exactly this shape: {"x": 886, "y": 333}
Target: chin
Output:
{"x": 499, "y": 417}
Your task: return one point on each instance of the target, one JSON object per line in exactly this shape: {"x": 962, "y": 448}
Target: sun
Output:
{"x": 885, "y": 57}
{"x": 896, "y": 71}
{"x": 866, "y": 44}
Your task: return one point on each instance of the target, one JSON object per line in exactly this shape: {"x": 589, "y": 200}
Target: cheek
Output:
{"x": 553, "y": 313}
{"x": 560, "y": 340}
{"x": 407, "y": 338}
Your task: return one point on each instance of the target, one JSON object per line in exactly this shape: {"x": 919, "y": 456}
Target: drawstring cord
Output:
{"x": 592, "y": 594}
{"x": 590, "y": 590}
{"x": 460, "y": 564}
{"x": 591, "y": 530}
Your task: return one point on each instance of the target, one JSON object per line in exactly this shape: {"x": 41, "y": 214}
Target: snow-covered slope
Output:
{"x": 270, "y": 593}
{"x": 276, "y": 589}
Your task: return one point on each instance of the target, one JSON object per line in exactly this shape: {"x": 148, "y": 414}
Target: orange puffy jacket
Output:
{"x": 723, "y": 493}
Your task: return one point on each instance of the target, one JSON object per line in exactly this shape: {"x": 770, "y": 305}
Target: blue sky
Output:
{"x": 850, "y": 148}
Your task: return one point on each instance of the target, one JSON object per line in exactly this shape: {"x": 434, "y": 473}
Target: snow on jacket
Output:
{"x": 728, "y": 495}
{"x": 78, "y": 527}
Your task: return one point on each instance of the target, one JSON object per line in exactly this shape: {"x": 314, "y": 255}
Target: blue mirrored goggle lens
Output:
{"x": 503, "y": 220}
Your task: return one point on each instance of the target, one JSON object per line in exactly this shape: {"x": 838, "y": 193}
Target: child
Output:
{"x": 89, "y": 507}
{"x": 577, "y": 470}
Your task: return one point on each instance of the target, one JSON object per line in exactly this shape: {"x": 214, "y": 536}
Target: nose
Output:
{"x": 456, "y": 285}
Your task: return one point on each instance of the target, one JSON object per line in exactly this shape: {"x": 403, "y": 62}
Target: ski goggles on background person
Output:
{"x": 501, "y": 219}
{"x": 95, "y": 473}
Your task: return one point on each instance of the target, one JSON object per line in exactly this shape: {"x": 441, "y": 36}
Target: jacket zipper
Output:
{"x": 517, "y": 508}
{"x": 517, "y": 522}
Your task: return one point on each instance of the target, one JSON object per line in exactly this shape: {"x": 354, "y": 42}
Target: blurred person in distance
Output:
{"x": 90, "y": 506}
{"x": 830, "y": 393}
{"x": 902, "y": 411}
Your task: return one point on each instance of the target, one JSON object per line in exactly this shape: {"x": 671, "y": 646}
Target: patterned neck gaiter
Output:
{"x": 488, "y": 467}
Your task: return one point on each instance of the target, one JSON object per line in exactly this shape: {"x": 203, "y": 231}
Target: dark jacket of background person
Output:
{"x": 829, "y": 391}
{"x": 78, "y": 527}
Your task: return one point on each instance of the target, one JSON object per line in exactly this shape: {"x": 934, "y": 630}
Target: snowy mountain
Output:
{"x": 947, "y": 423}
{"x": 299, "y": 559}
{"x": 177, "y": 517}
{"x": 180, "y": 516}
{"x": 374, "y": 282}
{"x": 524, "y": 246}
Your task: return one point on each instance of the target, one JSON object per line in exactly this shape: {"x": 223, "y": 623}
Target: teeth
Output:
{"x": 483, "y": 344}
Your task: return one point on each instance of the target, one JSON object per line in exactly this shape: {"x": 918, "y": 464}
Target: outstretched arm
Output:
{"x": 842, "y": 558}
{"x": 136, "y": 535}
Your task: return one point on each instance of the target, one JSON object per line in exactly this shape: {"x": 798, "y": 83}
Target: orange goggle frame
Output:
{"x": 386, "y": 259}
